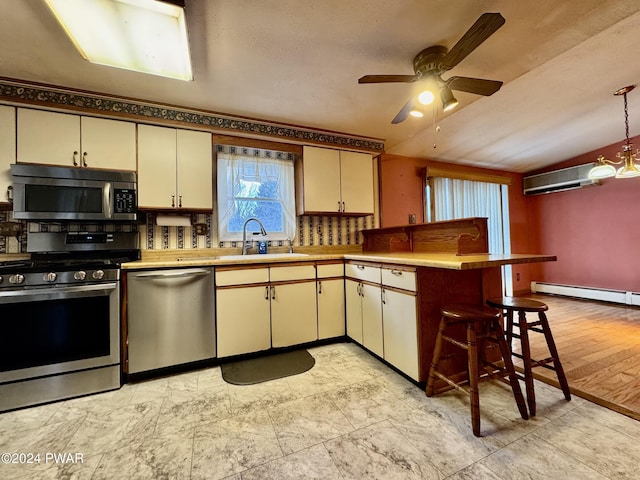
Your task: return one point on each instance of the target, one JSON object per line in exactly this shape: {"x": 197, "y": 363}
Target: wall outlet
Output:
{"x": 517, "y": 277}
{"x": 10, "y": 229}
{"x": 412, "y": 218}
{"x": 201, "y": 228}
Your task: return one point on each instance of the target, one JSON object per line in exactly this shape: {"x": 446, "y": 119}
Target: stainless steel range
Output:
{"x": 60, "y": 317}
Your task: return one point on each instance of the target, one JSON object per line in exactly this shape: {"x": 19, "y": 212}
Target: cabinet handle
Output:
{"x": 360, "y": 267}
{"x": 384, "y": 297}
{"x": 266, "y": 293}
{"x": 84, "y": 159}
{"x": 397, "y": 273}
{"x": 173, "y": 200}
{"x": 75, "y": 159}
{"x": 180, "y": 201}
{"x": 273, "y": 293}
{"x": 320, "y": 288}
{"x": 343, "y": 208}
{"x": 339, "y": 207}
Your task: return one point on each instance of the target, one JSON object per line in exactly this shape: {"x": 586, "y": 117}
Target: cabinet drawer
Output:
{"x": 298, "y": 272}
{"x": 398, "y": 278}
{"x": 362, "y": 272}
{"x": 330, "y": 270}
{"x": 242, "y": 276}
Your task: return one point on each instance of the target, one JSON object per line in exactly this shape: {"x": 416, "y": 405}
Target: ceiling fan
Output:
{"x": 433, "y": 61}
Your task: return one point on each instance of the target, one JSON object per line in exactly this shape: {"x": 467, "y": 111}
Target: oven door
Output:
{"x": 53, "y": 330}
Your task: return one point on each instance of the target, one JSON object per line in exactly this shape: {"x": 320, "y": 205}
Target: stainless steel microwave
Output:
{"x": 72, "y": 194}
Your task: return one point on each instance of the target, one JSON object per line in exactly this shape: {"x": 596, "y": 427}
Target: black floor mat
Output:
{"x": 262, "y": 369}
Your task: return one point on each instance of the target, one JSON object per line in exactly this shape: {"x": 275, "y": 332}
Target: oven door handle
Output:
{"x": 57, "y": 293}
{"x": 155, "y": 276}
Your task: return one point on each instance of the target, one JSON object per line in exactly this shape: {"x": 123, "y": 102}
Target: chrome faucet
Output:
{"x": 246, "y": 246}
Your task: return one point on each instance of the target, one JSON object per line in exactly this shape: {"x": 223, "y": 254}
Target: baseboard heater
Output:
{"x": 616, "y": 296}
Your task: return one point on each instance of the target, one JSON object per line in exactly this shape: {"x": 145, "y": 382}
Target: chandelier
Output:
{"x": 629, "y": 169}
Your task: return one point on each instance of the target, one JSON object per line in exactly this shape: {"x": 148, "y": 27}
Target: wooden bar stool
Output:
{"x": 482, "y": 325}
{"x": 522, "y": 306}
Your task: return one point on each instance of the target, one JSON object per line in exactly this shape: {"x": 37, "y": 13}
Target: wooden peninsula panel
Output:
{"x": 462, "y": 236}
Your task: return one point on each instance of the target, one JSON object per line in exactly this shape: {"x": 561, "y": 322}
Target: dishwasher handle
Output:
{"x": 166, "y": 275}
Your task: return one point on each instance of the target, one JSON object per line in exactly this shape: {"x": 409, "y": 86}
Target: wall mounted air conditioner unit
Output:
{"x": 559, "y": 180}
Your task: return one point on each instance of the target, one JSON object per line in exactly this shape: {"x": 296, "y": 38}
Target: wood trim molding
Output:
{"x": 20, "y": 92}
{"x": 430, "y": 172}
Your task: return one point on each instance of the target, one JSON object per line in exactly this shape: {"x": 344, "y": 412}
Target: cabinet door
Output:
{"x": 242, "y": 320}
{"x": 356, "y": 173}
{"x": 156, "y": 166}
{"x": 400, "y": 332}
{"x": 372, "y": 319}
{"x": 321, "y": 178}
{"x": 7, "y": 148}
{"x": 331, "y": 305}
{"x": 108, "y": 143}
{"x": 293, "y": 314}
{"x": 194, "y": 163}
{"x": 48, "y": 137}
{"x": 353, "y": 310}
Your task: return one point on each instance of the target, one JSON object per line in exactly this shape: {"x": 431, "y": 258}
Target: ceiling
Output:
{"x": 298, "y": 62}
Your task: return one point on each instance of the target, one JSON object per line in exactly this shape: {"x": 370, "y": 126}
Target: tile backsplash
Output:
{"x": 311, "y": 231}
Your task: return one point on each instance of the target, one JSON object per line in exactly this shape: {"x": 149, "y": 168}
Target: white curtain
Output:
{"x": 238, "y": 174}
{"x": 463, "y": 198}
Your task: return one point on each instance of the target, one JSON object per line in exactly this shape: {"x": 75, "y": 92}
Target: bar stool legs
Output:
{"x": 522, "y": 306}
{"x": 482, "y": 325}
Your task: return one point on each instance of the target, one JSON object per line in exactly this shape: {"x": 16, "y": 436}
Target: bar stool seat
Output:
{"x": 482, "y": 325}
{"x": 541, "y": 325}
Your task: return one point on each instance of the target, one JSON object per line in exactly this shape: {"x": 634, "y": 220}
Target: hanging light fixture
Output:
{"x": 629, "y": 169}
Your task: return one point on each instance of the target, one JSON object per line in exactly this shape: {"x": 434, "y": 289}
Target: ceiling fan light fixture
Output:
{"x": 629, "y": 169}
{"x": 449, "y": 102}
{"x": 426, "y": 97}
{"x": 416, "y": 113}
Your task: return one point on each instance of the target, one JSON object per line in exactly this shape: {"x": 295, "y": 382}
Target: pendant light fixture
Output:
{"x": 629, "y": 168}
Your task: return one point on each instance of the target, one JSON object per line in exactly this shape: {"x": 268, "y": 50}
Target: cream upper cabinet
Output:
{"x": 194, "y": 164}
{"x": 174, "y": 168}
{"x": 356, "y": 173}
{"x": 334, "y": 182}
{"x": 61, "y": 139}
{"x": 7, "y": 148}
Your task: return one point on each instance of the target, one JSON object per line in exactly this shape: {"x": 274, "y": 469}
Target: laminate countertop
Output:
{"x": 433, "y": 260}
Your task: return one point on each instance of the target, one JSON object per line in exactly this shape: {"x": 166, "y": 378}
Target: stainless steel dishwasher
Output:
{"x": 171, "y": 317}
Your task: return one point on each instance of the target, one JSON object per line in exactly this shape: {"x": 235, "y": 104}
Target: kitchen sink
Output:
{"x": 261, "y": 256}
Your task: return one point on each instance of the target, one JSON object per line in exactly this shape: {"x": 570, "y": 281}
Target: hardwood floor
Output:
{"x": 599, "y": 347}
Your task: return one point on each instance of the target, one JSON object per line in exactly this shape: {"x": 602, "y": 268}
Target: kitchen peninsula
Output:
{"x": 393, "y": 288}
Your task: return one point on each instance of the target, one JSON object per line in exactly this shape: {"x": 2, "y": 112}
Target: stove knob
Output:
{"x": 50, "y": 277}
{"x": 16, "y": 279}
{"x": 98, "y": 275}
{"x": 79, "y": 275}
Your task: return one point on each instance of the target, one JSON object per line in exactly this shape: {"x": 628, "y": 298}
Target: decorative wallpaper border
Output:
{"x": 19, "y": 91}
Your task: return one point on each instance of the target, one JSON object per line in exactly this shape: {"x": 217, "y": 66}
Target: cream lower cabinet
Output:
{"x": 243, "y": 316}
{"x": 331, "y": 300}
{"x": 364, "y": 306}
{"x": 293, "y": 314}
{"x": 400, "y": 320}
{"x": 261, "y": 308}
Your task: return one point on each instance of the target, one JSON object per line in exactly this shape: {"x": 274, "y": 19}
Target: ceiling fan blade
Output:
{"x": 484, "y": 27}
{"x": 403, "y": 113}
{"x": 479, "y": 86}
{"x": 387, "y": 78}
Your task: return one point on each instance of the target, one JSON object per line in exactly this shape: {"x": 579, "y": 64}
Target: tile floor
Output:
{"x": 349, "y": 417}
